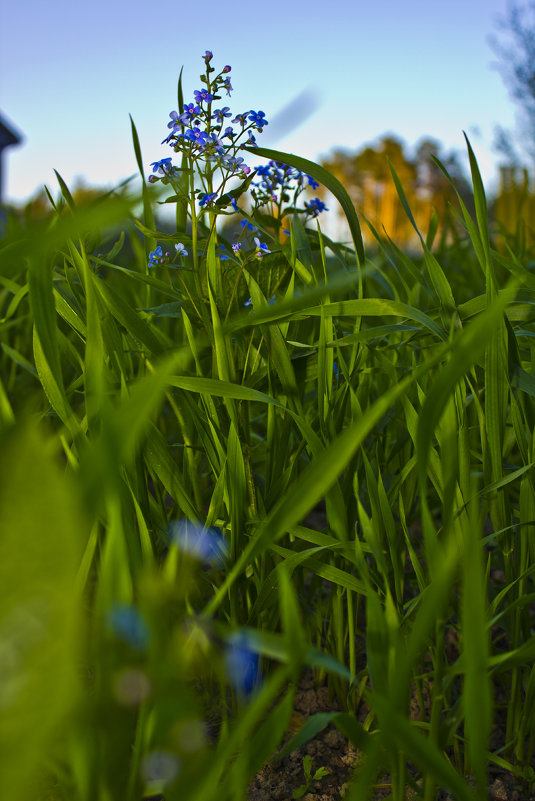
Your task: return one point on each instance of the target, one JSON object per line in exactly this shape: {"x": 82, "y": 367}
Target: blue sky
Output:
{"x": 71, "y": 73}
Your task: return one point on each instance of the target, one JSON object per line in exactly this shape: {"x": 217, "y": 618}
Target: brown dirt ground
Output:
{"x": 277, "y": 780}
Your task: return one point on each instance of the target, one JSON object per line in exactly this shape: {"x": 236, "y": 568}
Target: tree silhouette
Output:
{"x": 517, "y": 67}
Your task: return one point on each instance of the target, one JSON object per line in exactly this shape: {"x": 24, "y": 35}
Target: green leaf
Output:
{"x": 147, "y": 209}
{"x": 42, "y": 533}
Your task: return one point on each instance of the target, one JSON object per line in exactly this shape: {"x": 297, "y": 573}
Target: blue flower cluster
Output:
{"x": 157, "y": 256}
{"x": 277, "y": 180}
{"x": 202, "y": 132}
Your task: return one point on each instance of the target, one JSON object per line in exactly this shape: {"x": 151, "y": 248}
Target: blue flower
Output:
{"x": 246, "y": 224}
{"x": 216, "y": 143}
{"x": 156, "y": 257}
{"x": 180, "y": 248}
{"x": 227, "y": 85}
{"x": 257, "y": 118}
{"x": 196, "y": 135}
{"x": 236, "y": 247}
{"x": 127, "y": 623}
{"x": 315, "y": 206}
{"x": 252, "y": 140}
{"x": 234, "y": 204}
{"x": 311, "y": 182}
{"x": 206, "y": 199}
{"x": 220, "y": 114}
{"x": 161, "y": 166}
{"x": 261, "y": 248}
{"x": 189, "y": 112}
{"x": 241, "y": 663}
{"x": 222, "y": 255}
{"x": 208, "y": 56}
{"x": 174, "y": 117}
{"x": 237, "y": 163}
{"x": 241, "y": 118}
{"x": 204, "y": 544}
{"x": 262, "y": 169}
{"x": 203, "y": 94}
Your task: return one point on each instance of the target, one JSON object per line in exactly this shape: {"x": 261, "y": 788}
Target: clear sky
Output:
{"x": 71, "y": 72}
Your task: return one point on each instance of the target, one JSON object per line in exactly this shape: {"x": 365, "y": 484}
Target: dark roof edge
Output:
{"x": 8, "y": 134}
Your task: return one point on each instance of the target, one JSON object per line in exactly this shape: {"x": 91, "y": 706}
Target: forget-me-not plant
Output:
{"x": 200, "y": 132}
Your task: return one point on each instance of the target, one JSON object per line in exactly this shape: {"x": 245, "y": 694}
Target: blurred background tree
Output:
{"x": 516, "y": 51}
{"x": 367, "y": 177}
{"x": 515, "y": 203}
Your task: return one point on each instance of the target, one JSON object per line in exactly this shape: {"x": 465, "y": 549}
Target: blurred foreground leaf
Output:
{"x": 41, "y": 531}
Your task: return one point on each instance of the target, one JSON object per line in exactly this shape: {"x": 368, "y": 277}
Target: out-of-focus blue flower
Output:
{"x": 236, "y": 247}
{"x": 156, "y": 257}
{"x": 315, "y": 206}
{"x": 175, "y": 121}
{"x": 311, "y": 182}
{"x": 223, "y": 256}
{"x": 202, "y": 94}
{"x": 206, "y": 199}
{"x": 261, "y": 248}
{"x": 236, "y": 163}
{"x": 252, "y": 140}
{"x": 205, "y": 544}
{"x": 247, "y": 224}
{"x": 257, "y": 118}
{"x": 227, "y": 85}
{"x": 127, "y": 623}
{"x": 241, "y": 663}
{"x": 336, "y": 370}
{"x": 180, "y": 248}
{"x": 263, "y": 170}
{"x": 241, "y": 118}
{"x": 161, "y": 166}
{"x": 234, "y": 204}
{"x": 248, "y": 302}
{"x": 216, "y": 143}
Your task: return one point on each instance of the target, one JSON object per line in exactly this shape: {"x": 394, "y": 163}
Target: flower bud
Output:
{"x": 227, "y": 68}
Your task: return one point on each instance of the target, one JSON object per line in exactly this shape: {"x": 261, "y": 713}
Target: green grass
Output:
{"x": 394, "y": 389}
